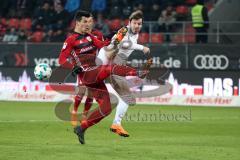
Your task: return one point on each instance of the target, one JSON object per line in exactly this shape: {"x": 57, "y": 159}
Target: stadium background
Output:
{"x": 32, "y": 32}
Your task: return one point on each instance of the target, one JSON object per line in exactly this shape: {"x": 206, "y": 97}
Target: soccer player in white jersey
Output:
{"x": 125, "y": 48}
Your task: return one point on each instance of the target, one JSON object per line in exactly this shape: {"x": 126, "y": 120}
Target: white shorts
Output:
{"x": 102, "y": 59}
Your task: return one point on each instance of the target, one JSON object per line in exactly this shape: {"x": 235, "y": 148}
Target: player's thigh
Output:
{"x": 96, "y": 74}
{"x": 101, "y": 95}
{"x": 101, "y": 57}
{"x": 99, "y": 91}
{"x": 121, "y": 86}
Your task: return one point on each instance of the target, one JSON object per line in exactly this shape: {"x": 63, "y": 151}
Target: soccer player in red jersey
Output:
{"x": 78, "y": 98}
{"x": 78, "y": 54}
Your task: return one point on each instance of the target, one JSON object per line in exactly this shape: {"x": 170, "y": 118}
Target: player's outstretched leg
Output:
{"x": 105, "y": 71}
{"x": 102, "y": 72}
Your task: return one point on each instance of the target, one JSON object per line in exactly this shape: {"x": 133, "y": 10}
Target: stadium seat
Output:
{"x": 190, "y": 38}
{"x": 2, "y": 30}
{"x": 26, "y": 23}
{"x": 190, "y": 34}
{"x": 143, "y": 38}
{"x": 115, "y": 24}
{"x": 13, "y": 22}
{"x": 190, "y": 2}
{"x": 126, "y": 22}
{"x": 178, "y": 39}
{"x": 157, "y": 38}
{"x": 182, "y": 10}
{"x": 4, "y": 21}
{"x": 37, "y": 36}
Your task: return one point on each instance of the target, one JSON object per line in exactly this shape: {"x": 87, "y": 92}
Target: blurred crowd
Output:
{"x": 51, "y": 20}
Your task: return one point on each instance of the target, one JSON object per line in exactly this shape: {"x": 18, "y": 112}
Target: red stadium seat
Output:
{"x": 190, "y": 38}
{"x": 157, "y": 38}
{"x": 13, "y": 22}
{"x": 143, "y": 38}
{"x": 3, "y": 29}
{"x": 190, "y": 2}
{"x": 37, "y": 36}
{"x": 182, "y": 10}
{"x": 4, "y": 21}
{"x": 115, "y": 24}
{"x": 26, "y": 23}
{"x": 178, "y": 39}
{"x": 126, "y": 21}
{"x": 190, "y": 34}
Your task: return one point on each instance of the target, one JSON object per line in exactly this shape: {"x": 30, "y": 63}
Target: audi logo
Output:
{"x": 211, "y": 62}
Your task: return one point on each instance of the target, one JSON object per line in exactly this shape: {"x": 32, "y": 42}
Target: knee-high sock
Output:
{"x": 88, "y": 104}
{"x": 77, "y": 101}
{"x": 120, "y": 111}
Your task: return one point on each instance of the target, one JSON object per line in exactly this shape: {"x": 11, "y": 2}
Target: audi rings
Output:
{"x": 211, "y": 62}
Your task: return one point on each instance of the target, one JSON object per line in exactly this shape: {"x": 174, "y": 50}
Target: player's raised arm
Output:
{"x": 65, "y": 53}
{"x": 98, "y": 43}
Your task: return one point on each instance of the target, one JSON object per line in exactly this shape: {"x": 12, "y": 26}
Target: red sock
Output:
{"x": 88, "y": 104}
{"x": 77, "y": 101}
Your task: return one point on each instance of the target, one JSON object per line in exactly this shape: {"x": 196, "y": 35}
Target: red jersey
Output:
{"x": 80, "y": 49}
{"x": 97, "y": 34}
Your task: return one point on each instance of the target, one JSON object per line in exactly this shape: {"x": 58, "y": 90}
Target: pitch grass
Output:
{"x": 31, "y": 131}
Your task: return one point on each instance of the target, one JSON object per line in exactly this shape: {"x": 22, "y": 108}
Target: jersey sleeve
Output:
{"x": 99, "y": 35}
{"x": 136, "y": 46}
{"x": 98, "y": 43}
{"x": 66, "y": 53}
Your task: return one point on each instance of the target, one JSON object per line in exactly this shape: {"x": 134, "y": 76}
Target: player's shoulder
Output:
{"x": 97, "y": 33}
{"x": 71, "y": 36}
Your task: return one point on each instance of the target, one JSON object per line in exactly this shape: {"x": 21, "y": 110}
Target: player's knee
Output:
{"x": 132, "y": 102}
{"x": 78, "y": 97}
{"x": 129, "y": 99}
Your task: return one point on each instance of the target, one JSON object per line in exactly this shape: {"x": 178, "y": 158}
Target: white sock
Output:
{"x": 120, "y": 111}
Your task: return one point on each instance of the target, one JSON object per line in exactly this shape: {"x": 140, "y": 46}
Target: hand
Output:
{"x": 146, "y": 50}
{"x": 76, "y": 70}
{"x": 142, "y": 73}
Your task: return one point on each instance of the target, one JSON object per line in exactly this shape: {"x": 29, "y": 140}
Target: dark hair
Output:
{"x": 80, "y": 13}
{"x": 136, "y": 15}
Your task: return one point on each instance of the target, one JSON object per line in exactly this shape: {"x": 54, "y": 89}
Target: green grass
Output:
{"x": 31, "y": 131}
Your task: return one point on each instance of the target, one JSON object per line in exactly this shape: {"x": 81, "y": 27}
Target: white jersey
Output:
{"x": 126, "y": 47}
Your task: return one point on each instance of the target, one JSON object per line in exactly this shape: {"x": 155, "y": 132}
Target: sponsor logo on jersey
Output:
{"x": 89, "y": 38}
{"x": 86, "y": 49}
